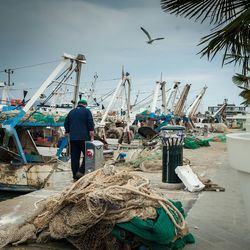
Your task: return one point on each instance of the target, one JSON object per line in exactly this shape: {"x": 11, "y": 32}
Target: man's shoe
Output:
{"x": 75, "y": 179}
{"x": 79, "y": 175}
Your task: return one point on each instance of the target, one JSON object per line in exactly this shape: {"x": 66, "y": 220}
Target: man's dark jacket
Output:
{"x": 78, "y": 123}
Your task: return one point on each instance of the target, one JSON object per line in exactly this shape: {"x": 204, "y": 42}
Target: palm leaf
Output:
{"x": 215, "y": 10}
{"x": 245, "y": 94}
{"x": 240, "y": 80}
{"x": 233, "y": 39}
{"x": 238, "y": 59}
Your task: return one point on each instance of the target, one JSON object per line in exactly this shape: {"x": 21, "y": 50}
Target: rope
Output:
{"x": 161, "y": 201}
{"x": 97, "y": 201}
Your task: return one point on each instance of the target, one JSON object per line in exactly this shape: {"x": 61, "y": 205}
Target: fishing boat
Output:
{"x": 29, "y": 160}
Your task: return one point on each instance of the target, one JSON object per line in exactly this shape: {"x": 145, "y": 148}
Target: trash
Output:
{"x": 121, "y": 157}
{"x": 209, "y": 186}
{"x": 189, "y": 178}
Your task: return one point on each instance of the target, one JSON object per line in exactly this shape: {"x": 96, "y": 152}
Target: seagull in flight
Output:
{"x": 150, "y": 40}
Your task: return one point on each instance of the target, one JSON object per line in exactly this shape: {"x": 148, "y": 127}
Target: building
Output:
{"x": 230, "y": 110}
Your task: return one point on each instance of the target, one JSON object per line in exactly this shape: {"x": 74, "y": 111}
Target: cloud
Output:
{"x": 108, "y": 33}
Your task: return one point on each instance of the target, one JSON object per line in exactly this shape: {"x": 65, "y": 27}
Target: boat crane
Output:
{"x": 148, "y": 131}
{"x": 180, "y": 104}
{"x": 194, "y": 106}
{"x": 160, "y": 85}
{"x": 124, "y": 82}
{"x": 218, "y": 114}
{"x": 12, "y": 130}
{"x": 172, "y": 96}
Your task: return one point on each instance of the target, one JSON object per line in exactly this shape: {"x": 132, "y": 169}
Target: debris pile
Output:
{"x": 106, "y": 209}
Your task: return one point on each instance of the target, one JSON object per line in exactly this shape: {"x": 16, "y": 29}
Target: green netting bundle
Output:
{"x": 157, "y": 234}
{"x": 193, "y": 142}
{"x": 39, "y": 117}
{"x": 221, "y": 138}
{"x": 48, "y": 119}
{"x": 61, "y": 119}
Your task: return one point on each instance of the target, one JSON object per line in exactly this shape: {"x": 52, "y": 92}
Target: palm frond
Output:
{"x": 215, "y": 10}
{"x": 245, "y": 94}
{"x": 240, "y": 60}
{"x": 234, "y": 39}
{"x": 241, "y": 80}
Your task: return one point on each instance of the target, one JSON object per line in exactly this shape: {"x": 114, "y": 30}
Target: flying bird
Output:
{"x": 150, "y": 40}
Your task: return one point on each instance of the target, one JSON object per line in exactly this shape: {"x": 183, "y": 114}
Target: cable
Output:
{"x": 64, "y": 79}
{"x": 143, "y": 99}
{"x": 106, "y": 80}
{"x": 107, "y": 95}
{"x": 32, "y": 65}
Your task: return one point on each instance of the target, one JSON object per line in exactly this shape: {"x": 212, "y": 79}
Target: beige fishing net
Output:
{"x": 85, "y": 212}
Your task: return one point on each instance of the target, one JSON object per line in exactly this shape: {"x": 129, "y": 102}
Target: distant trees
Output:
{"x": 230, "y": 33}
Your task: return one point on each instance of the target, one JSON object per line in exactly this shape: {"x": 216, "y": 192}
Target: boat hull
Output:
{"x": 31, "y": 177}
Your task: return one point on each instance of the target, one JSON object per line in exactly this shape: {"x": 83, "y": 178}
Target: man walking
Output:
{"x": 79, "y": 125}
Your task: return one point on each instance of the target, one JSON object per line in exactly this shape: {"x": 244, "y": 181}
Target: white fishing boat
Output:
{"x": 26, "y": 165}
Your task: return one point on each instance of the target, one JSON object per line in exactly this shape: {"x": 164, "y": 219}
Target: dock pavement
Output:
{"x": 217, "y": 219}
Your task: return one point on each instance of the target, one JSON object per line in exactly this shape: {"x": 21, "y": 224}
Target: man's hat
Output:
{"x": 83, "y": 102}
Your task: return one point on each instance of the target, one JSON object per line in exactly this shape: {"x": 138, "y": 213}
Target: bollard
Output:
{"x": 172, "y": 152}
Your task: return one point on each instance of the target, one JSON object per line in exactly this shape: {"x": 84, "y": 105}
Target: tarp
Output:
{"x": 158, "y": 234}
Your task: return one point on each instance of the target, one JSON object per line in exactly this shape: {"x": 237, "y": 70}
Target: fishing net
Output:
{"x": 86, "y": 212}
{"x": 219, "y": 138}
{"x": 193, "y": 142}
{"x": 147, "y": 160}
{"x": 37, "y": 117}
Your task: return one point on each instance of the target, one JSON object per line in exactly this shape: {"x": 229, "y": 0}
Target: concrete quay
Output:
{"x": 216, "y": 219}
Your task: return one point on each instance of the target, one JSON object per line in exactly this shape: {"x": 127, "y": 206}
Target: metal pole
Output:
{"x": 78, "y": 76}
{"x": 155, "y": 97}
{"x": 102, "y": 123}
{"x": 128, "y": 102}
{"x": 163, "y": 92}
{"x": 171, "y": 94}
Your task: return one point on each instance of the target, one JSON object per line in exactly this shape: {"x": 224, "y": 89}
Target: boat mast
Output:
{"x": 79, "y": 60}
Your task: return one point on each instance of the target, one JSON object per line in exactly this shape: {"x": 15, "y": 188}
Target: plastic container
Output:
{"x": 189, "y": 178}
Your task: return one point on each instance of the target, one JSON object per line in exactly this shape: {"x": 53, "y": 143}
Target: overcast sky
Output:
{"x": 108, "y": 33}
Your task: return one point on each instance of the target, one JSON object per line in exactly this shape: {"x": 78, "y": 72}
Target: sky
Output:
{"x": 108, "y": 33}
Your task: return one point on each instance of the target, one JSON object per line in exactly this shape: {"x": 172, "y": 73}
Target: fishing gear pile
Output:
{"x": 106, "y": 209}
{"x": 36, "y": 117}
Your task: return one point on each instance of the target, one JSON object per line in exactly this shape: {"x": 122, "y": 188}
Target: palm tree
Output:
{"x": 230, "y": 33}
